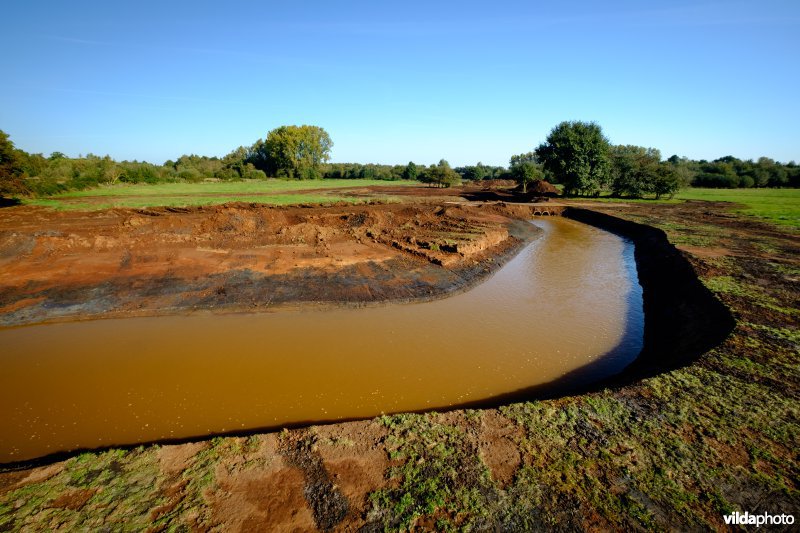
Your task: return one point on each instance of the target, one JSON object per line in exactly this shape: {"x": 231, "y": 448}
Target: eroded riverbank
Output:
{"x": 238, "y": 257}
{"x": 567, "y": 310}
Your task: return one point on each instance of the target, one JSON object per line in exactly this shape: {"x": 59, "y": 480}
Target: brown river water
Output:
{"x": 566, "y": 310}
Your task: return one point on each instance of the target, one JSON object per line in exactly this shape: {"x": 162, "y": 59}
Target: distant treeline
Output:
{"x": 24, "y": 174}
{"x": 729, "y": 172}
{"x": 301, "y": 152}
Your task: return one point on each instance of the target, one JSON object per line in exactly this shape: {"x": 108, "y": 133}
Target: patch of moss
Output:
{"x": 434, "y": 477}
{"x": 123, "y": 487}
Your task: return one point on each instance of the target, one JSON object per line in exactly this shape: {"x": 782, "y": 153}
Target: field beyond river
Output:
{"x": 675, "y": 449}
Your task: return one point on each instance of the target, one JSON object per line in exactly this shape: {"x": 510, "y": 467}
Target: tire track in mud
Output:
{"x": 326, "y": 501}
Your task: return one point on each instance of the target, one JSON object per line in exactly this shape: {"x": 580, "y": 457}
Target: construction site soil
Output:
{"x": 234, "y": 257}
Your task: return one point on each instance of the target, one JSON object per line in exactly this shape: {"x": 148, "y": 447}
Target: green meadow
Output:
{"x": 780, "y": 206}
{"x": 272, "y": 191}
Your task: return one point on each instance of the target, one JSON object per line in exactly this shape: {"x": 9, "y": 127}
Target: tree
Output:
{"x": 410, "y": 172}
{"x": 475, "y": 172}
{"x": 684, "y": 169}
{"x": 792, "y": 174}
{"x": 293, "y": 152}
{"x": 770, "y": 173}
{"x": 665, "y": 181}
{"x": 525, "y": 171}
{"x": 634, "y": 169}
{"x": 718, "y": 174}
{"x": 441, "y": 175}
{"x": 111, "y": 171}
{"x": 11, "y": 182}
{"x": 528, "y": 157}
{"x": 576, "y": 154}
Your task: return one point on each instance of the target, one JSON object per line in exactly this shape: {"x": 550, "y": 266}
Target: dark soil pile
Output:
{"x": 542, "y": 188}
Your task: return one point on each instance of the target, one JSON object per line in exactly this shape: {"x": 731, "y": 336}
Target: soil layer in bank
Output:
{"x": 122, "y": 262}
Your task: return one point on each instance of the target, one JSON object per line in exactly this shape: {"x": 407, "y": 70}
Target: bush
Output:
{"x": 252, "y": 173}
{"x": 716, "y": 181}
{"x": 192, "y": 175}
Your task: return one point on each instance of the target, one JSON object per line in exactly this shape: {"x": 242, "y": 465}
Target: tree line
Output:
{"x": 578, "y": 156}
{"x": 288, "y": 152}
{"x": 575, "y": 154}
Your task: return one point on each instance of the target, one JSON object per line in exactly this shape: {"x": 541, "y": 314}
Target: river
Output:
{"x": 566, "y": 310}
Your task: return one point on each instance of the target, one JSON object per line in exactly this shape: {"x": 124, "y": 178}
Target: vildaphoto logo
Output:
{"x": 758, "y": 520}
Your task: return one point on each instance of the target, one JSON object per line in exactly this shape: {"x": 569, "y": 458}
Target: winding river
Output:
{"x": 566, "y": 310}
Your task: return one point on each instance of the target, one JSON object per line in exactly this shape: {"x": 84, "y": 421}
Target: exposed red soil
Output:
{"x": 74, "y": 500}
{"x": 62, "y": 265}
{"x": 498, "y": 438}
{"x": 173, "y": 459}
{"x": 480, "y": 191}
{"x": 271, "y": 499}
{"x": 543, "y": 188}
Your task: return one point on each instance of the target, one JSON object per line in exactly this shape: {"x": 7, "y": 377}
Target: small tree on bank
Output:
{"x": 666, "y": 181}
{"x": 526, "y": 172}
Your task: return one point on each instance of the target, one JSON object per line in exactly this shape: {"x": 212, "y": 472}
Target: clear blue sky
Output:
{"x": 399, "y": 81}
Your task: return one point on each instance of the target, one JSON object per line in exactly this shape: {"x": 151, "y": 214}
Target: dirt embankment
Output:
{"x": 66, "y": 265}
{"x": 683, "y": 319}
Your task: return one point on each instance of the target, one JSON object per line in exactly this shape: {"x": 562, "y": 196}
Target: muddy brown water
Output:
{"x": 567, "y": 309}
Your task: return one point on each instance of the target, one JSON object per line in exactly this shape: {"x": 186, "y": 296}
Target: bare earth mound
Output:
{"x": 61, "y": 265}
{"x": 543, "y": 188}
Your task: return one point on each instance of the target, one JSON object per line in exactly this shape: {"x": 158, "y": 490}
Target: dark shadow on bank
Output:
{"x": 9, "y": 202}
{"x": 682, "y": 321}
{"x": 682, "y": 318}
{"x": 502, "y": 195}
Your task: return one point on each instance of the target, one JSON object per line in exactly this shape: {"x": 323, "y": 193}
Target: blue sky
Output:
{"x": 399, "y": 81}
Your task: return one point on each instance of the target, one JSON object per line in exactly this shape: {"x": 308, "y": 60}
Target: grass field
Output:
{"x": 276, "y": 192}
{"x": 779, "y": 206}
{"x": 93, "y": 203}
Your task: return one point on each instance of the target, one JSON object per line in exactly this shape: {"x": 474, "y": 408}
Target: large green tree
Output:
{"x": 293, "y": 152}
{"x": 576, "y": 155}
{"x": 11, "y": 182}
{"x": 410, "y": 172}
{"x": 666, "y": 181}
{"x": 634, "y": 169}
{"x": 441, "y": 175}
